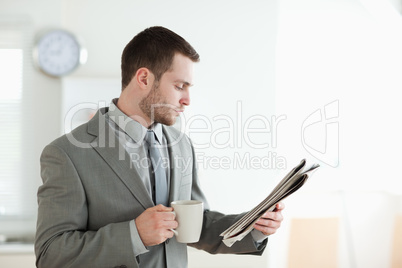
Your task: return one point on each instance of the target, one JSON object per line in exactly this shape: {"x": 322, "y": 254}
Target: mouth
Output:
{"x": 178, "y": 111}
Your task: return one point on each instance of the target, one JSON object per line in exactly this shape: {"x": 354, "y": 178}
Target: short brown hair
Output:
{"x": 154, "y": 48}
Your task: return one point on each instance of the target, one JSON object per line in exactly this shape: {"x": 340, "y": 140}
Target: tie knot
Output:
{"x": 150, "y": 137}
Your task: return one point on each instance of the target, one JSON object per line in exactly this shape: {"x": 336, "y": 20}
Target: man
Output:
{"x": 98, "y": 205}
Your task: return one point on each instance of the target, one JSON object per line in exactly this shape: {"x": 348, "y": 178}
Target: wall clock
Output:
{"x": 58, "y": 52}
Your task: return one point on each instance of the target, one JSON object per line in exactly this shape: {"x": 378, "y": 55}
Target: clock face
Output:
{"x": 58, "y": 53}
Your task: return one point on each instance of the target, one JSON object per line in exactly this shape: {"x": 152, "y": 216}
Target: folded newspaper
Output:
{"x": 288, "y": 185}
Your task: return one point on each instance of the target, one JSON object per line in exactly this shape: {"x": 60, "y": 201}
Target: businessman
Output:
{"x": 105, "y": 200}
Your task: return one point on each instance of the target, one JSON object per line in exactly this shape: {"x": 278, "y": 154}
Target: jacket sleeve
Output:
{"x": 62, "y": 238}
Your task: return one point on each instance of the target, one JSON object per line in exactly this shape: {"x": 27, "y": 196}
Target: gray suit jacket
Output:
{"x": 91, "y": 191}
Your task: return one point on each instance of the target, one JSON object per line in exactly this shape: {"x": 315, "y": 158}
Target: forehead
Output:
{"x": 181, "y": 69}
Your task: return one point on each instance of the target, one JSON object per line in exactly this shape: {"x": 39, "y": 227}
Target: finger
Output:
{"x": 279, "y": 206}
{"x": 268, "y": 223}
{"x": 171, "y": 225}
{"x": 169, "y": 234}
{"x": 164, "y": 226}
{"x": 167, "y": 216}
{"x": 162, "y": 208}
{"x": 265, "y": 230}
{"x": 275, "y": 216}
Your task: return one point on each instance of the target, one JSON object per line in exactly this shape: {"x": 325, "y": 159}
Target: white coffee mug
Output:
{"x": 189, "y": 215}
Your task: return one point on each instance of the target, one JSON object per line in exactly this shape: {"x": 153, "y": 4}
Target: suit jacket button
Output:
{"x": 167, "y": 241}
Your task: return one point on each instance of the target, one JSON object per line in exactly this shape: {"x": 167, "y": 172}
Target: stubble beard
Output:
{"x": 156, "y": 108}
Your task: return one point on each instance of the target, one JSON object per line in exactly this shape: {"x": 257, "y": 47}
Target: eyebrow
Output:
{"x": 184, "y": 82}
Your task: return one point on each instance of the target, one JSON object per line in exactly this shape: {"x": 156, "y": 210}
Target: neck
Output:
{"x": 134, "y": 112}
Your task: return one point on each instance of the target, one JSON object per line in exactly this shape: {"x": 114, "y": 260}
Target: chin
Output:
{"x": 168, "y": 121}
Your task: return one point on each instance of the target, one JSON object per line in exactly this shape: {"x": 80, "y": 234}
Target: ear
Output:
{"x": 144, "y": 78}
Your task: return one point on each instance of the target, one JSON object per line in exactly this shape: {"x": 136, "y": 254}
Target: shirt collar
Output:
{"x": 157, "y": 128}
{"x": 133, "y": 128}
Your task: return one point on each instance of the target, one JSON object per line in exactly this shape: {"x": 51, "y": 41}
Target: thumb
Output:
{"x": 280, "y": 206}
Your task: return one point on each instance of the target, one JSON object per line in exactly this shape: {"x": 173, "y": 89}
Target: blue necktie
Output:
{"x": 161, "y": 188}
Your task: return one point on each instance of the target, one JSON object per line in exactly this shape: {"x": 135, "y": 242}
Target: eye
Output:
{"x": 178, "y": 88}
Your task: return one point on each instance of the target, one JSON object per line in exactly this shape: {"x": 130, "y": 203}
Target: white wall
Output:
{"x": 343, "y": 58}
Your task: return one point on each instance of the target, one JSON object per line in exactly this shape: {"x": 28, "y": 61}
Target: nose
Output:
{"x": 185, "y": 98}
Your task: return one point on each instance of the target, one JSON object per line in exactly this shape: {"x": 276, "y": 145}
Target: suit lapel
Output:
{"x": 114, "y": 154}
